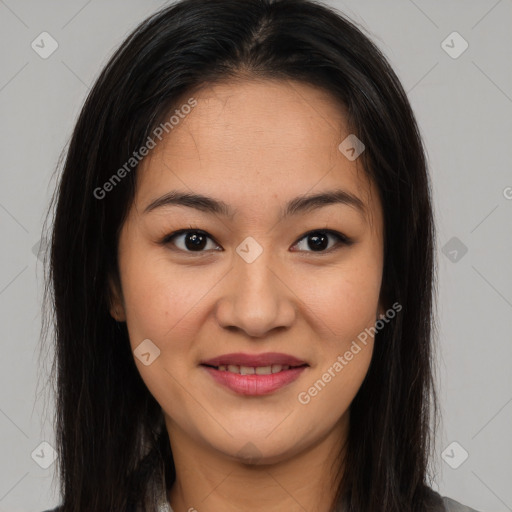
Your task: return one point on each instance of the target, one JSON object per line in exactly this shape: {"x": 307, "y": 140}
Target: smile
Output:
{"x": 251, "y": 370}
{"x": 254, "y": 374}
{"x": 254, "y": 381}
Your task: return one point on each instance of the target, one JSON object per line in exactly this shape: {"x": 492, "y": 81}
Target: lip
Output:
{"x": 264, "y": 359}
{"x": 255, "y": 385}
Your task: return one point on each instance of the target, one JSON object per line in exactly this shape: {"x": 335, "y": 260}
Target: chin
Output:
{"x": 259, "y": 450}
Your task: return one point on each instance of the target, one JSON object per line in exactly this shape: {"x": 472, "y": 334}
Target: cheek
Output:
{"x": 343, "y": 299}
{"x": 163, "y": 302}
{"x": 345, "y": 308}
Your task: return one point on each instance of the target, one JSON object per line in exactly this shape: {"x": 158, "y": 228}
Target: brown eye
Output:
{"x": 189, "y": 240}
{"x": 318, "y": 241}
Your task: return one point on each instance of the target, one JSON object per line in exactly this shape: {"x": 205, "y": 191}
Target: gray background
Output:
{"x": 463, "y": 106}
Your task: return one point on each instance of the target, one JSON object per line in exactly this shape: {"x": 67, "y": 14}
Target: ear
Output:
{"x": 115, "y": 297}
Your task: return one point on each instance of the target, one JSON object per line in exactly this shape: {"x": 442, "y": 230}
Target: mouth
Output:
{"x": 254, "y": 370}
{"x": 255, "y": 375}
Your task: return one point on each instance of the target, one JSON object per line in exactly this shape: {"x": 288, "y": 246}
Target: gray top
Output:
{"x": 454, "y": 506}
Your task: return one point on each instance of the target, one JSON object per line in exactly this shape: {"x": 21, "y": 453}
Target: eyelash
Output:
{"x": 342, "y": 239}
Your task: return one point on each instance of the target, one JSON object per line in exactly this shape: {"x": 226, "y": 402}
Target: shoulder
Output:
{"x": 437, "y": 503}
{"x": 454, "y": 506}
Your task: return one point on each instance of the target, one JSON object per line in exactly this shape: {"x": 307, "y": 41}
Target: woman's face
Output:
{"x": 252, "y": 281}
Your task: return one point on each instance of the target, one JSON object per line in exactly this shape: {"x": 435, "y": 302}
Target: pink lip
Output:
{"x": 265, "y": 359}
{"x": 255, "y": 384}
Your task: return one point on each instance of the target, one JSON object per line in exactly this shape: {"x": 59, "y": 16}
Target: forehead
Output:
{"x": 251, "y": 142}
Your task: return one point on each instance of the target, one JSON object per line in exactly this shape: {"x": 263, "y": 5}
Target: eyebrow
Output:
{"x": 298, "y": 205}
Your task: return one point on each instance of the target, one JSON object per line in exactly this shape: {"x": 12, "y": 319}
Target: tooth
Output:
{"x": 247, "y": 370}
{"x": 286, "y": 367}
{"x": 233, "y": 368}
{"x": 276, "y": 368}
{"x": 222, "y": 368}
{"x": 263, "y": 370}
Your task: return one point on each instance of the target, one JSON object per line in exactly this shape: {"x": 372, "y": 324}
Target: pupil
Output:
{"x": 195, "y": 241}
{"x": 319, "y": 242}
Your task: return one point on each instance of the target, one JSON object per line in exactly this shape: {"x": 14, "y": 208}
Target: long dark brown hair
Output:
{"x": 109, "y": 428}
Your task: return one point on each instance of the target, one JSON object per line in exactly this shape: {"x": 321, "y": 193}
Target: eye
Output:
{"x": 196, "y": 240}
{"x": 192, "y": 240}
{"x": 319, "y": 240}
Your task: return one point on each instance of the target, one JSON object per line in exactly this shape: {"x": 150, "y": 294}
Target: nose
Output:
{"x": 256, "y": 298}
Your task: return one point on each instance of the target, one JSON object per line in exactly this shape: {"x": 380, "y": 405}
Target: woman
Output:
{"x": 242, "y": 272}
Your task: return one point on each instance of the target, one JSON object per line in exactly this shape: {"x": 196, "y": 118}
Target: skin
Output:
{"x": 255, "y": 145}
